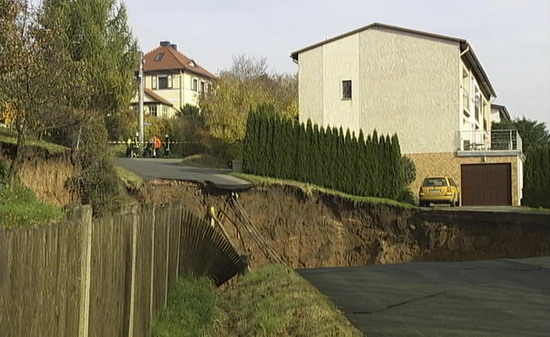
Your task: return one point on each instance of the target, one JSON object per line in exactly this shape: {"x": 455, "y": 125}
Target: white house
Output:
{"x": 171, "y": 81}
{"x": 428, "y": 88}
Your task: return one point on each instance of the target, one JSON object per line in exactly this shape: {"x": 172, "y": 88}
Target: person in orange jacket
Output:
{"x": 156, "y": 146}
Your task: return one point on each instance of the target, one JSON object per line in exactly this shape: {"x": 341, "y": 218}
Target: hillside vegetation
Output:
{"x": 271, "y": 301}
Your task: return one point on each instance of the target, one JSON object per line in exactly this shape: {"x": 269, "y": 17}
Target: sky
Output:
{"x": 510, "y": 37}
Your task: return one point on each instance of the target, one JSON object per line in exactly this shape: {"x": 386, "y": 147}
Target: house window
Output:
{"x": 202, "y": 87}
{"x": 194, "y": 84}
{"x": 159, "y": 57}
{"x": 154, "y": 80}
{"x": 477, "y": 104}
{"x": 165, "y": 82}
{"x": 153, "y": 110}
{"x": 346, "y": 89}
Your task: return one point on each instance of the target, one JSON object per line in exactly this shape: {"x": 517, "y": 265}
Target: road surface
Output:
{"x": 173, "y": 169}
{"x": 484, "y": 298}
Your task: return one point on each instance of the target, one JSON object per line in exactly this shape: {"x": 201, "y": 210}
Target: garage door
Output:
{"x": 486, "y": 184}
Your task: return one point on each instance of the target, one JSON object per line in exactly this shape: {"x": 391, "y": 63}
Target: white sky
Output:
{"x": 510, "y": 37}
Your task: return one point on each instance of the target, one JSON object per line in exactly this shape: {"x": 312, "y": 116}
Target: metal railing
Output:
{"x": 499, "y": 140}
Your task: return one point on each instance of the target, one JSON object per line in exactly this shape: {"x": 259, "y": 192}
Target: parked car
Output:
{"x": 439, "y": 190}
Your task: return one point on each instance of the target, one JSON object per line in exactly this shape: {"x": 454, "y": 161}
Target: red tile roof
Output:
{"x": 156, "y": 97}
{"x": 172, "y": 60}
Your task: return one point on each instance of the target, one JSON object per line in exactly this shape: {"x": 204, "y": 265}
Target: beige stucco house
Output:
{"x": 499, "y": 113}
{"x": 171, "y": 80}
{"x": 430, "y": 89}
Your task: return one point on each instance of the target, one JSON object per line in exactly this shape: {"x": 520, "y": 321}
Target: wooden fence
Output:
{"x": 104, "y": 277}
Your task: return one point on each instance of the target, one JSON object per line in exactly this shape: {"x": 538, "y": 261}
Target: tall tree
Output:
{"x": 532, "y": 132}
{"x": 37, "y": 76}
{"x": 239, "y": 89}
{"x": 97, "y": 37}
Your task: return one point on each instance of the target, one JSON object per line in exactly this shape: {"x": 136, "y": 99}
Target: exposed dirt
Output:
{"x": 314, "y": 230}
{"x": 49, "y": 175}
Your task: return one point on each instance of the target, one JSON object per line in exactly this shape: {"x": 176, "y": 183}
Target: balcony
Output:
{"x": 478, "y": 143}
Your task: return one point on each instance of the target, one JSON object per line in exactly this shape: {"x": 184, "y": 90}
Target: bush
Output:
{"x": 407, "y": 196}
{"x": 98, "y": 182}
{"x": 536, "y": 190}
{"x": 283, "y": 148}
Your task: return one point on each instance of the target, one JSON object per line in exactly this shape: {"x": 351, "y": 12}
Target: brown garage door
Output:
{"x": 486, "y": 184}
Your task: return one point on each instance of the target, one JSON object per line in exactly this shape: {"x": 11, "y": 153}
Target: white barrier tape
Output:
{"x": 122, "y": 142}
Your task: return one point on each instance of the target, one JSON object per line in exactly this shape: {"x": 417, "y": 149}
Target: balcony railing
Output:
{"x": 500, "y": 140}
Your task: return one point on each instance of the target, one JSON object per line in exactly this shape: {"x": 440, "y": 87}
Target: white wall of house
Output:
{"x": 401, "y": 83}
{"x": 181, "y": 87}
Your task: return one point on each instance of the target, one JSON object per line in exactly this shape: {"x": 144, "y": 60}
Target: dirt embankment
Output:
{"x": 314, "y": 230}
{"x": 51, "y": 176}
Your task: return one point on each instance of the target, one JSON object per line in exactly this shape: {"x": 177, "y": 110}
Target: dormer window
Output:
{"x": 192, "y": 63}
{"x": 159, "y": 56}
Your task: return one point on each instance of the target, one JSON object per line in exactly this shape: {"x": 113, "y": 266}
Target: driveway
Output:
{"x": 173, "y": 169}
{"x": 483, "y": 298}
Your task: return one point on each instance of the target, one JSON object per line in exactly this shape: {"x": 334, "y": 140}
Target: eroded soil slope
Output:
{"x": 314, "y": 230}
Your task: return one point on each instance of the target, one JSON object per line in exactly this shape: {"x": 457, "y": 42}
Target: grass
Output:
{"x": 271, "y": 301}
{"x": 19, "y": 206}
{"x": 190, "y": 310}
{"x": 309, "y": 189}
{"x": 9, "y": 136}
{"x": 204, "y": 160}
{"x": 129, "y": 178}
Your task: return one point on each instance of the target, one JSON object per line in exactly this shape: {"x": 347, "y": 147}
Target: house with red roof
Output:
{"x": 171, "y": 80}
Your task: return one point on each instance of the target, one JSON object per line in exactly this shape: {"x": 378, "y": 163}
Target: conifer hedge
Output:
{"x": 330, "y": 157}
{"x": 536, "y": 189}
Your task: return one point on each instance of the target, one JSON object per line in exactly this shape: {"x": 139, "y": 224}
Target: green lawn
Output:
{"x": 204, "y": 160}
{"x": 19, "y": 206}
{"x": 271, "y": 301}
{"x": 311, "y": 188}
{"x": 9, "y": 136}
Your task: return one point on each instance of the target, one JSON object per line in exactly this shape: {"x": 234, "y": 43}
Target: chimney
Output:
{"x": 164, "y": 43}
{"x": 174, "y": 46}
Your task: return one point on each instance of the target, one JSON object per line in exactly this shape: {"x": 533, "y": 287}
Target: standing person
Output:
{"x": 166, "y": 146}
{"x": 156, "y": 146}
{"x": 129, "y": 148}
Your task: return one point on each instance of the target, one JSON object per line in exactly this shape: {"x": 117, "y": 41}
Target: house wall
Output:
{"x": 448, "y": 164}
{"x": 182, "y": 92}
{"x": 310, "y": 86}
{"x": 402, "y": 83}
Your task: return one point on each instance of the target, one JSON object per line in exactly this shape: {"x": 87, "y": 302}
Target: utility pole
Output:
{"x": 141, "y": 133}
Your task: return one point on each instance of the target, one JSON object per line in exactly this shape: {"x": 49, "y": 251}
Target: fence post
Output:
{"x": 135, "y": 219}
{"x": 153, "y": 210}
{"x": 83, "y": 214}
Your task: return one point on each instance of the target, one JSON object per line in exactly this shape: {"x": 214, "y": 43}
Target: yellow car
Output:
{"x": 439, "y": 190}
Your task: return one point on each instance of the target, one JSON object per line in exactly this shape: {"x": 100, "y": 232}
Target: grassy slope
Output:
{"x": 204, "y": 160}
{"x": 19, "y": 206}
{"x": 10, "y": 137}
{"x": 271, "y": 301}
{"x": 310, "y": 188}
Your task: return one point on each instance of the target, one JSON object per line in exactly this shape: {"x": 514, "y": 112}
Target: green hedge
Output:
{"x": 536, "y": 191}
{"x": 330, "y": 157}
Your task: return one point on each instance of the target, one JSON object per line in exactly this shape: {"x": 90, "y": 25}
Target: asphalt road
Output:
{"x": 173, "y": 169}
{"x": 484, "y": 298}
